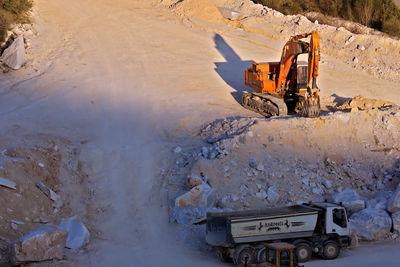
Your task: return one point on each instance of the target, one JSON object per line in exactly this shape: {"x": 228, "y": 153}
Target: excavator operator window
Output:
{"x": 285, "y": 258}
{"x": 302, "y": 71}
{"x": 339, "y": 217}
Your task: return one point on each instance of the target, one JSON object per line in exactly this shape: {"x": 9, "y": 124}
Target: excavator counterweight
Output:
{"x": 290, "y": 84}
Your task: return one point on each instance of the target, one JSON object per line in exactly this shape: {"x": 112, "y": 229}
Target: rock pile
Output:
{"x": 259, "y": 163}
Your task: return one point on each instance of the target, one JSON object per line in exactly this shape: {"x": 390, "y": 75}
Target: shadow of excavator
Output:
{"x": 232, "y": 70}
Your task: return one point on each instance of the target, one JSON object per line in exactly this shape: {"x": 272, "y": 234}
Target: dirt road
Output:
{"x": 128, "y": 80}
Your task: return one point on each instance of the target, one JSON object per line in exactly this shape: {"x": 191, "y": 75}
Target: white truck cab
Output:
{"x": 336, "y": 221}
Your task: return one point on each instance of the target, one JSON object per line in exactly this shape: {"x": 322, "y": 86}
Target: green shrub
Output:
{"x": 16, "y": 7}
{"x": 392, "y": 26}
{"x": 12, "y": 11}
{"x": 383, "y": 15}
{"x": 5, "y": 20}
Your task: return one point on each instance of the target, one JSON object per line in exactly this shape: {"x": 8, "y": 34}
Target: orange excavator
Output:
{"x": 290, "y": 84}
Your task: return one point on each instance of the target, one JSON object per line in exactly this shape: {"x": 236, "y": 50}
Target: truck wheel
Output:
{"x": 245, "y": 255}
{"x": 261, "y": 255}
{"x": 303, "y": 252}
{"x": 331, "y": 250}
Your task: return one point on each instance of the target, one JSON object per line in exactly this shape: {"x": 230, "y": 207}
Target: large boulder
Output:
{"x": 78, "y": 234}
{"x": 199, "y": 196}
{"x": 14, "y": 55}
{"x": 380, "y": 201}
{"x": 44, "y": 243}
{"x": 371, "y": 224}
{"x": 190, "y": 215}
{"x": 350, "y": 200}
{"x": 394, "y": 201}
{"x": 396, "y": 221}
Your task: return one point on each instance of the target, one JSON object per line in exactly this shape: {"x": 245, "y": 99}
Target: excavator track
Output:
{"x": 264, "y": 104}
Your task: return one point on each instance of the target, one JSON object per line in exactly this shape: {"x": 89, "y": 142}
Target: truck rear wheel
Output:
{"x": 244, "y": 255}
{"x": 261, "y": 255}
{"x": 331, "y": 250}
{"x": 303, "y": 252}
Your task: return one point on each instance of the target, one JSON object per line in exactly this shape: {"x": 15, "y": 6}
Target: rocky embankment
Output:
{"x": 248, "y": 163}
{"x": 364, "y": 49}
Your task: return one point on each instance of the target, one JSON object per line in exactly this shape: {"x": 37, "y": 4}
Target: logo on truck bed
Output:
{"x": 263, "y": 226}
{"x": 272, "y": 226}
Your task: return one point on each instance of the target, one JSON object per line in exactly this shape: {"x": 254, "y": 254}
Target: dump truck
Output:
{"x": 241, "y": 236}
{"x": 290, "y": 84}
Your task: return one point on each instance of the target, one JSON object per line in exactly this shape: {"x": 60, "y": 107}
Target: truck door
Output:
{"x": 336, "y": 221}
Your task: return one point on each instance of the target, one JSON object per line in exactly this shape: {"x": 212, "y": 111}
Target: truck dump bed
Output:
{"x": 226, "y": 228}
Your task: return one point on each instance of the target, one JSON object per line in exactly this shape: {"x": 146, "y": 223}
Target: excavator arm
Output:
{"x": 313, "y": 60}
{"x": 291, "y": 50}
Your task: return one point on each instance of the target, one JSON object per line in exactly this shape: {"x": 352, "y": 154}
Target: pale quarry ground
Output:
{"x": 120, "y": 84}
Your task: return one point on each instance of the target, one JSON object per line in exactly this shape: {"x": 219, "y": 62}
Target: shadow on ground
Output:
{"x": 232, "y": 70}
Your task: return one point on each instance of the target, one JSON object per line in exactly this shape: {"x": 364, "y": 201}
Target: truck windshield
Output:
{"x": 339, "y": 217}
{"x": 271, "y": 256}
{"x": 285, "y": 258}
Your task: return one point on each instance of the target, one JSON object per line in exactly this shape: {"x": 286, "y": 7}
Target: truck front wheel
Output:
{"x": 303, "y": 252}
{"x": 331, "y": 250}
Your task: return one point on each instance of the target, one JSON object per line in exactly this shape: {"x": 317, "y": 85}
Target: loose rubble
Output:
{"x": 50, "y": 194}
{"x": 7, "y": 183}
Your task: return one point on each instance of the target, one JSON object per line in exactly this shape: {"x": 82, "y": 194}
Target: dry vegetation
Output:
{"x": 12, "y": 11}
{"x": 383, "y": 15}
